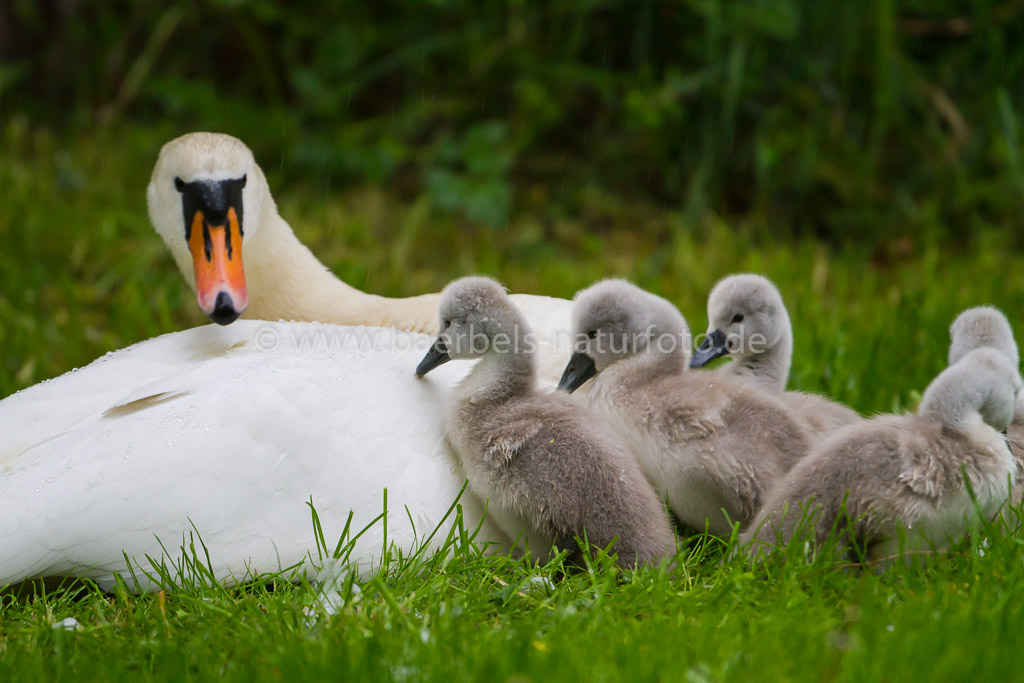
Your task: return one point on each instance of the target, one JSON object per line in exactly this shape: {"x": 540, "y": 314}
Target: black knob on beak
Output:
{"x": 224, "y": 312}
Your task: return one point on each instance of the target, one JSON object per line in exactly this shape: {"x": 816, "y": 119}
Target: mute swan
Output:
{"x": 232, "y": 430}
{"x": 539, "y": 458}
{"x": 747, "y": 319}
{"x": 69, "y": 502}
{"x": 210, "y": 202}
{"x": 710, "y": 444}
{"x": 905, "y": 474}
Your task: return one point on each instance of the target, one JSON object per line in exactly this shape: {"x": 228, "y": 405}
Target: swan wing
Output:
{"x": 217, "y": 431}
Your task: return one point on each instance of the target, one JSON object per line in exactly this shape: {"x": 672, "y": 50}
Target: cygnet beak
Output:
{"x": 580, "y": 368}
{"x": 436, "y": 356}
{"x": 713, "y": 347}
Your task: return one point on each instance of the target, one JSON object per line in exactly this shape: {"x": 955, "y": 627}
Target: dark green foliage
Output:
{"x": 840, "y": 119}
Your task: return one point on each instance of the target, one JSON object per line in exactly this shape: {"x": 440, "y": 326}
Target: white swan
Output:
{"x": 228, "y": 431}
{"x": 200, "y": 175}
{"x": 219, "y": 430}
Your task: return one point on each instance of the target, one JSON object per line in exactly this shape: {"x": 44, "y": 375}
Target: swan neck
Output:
{"x": 769, "y": 368}
{"x": 501, "y": 375}
{"x": 645, "y": 367}
{"x": 287, "y": 282}
{"x": 955, "y": 401}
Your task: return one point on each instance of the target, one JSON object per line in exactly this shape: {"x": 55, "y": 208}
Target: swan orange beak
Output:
{"x": 213, "y": 212}
{"x": 217, "y": 258}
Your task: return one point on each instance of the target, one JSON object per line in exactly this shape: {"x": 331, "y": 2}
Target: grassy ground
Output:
{"x": 82, "y": 273}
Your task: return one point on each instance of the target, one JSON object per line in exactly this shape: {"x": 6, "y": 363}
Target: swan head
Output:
{"x": 613, "y": 320}
{"x": 205, "y": 200}
{"x": 746, "y": 316}
{"x": 476, "y": 317}
{"x": 981, "y": 327}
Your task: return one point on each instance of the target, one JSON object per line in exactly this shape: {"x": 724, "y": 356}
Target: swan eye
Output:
{"x": 179, "y": 184}
{"x": 738, "y": 318}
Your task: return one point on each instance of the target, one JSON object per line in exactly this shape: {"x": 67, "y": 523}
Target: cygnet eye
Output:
{"x": 447, "y": 324}
{"x": 738, "y": 318}
{"x": 592, "y": 334}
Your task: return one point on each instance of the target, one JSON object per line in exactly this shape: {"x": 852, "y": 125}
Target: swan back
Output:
{"x": 228, "y": 432}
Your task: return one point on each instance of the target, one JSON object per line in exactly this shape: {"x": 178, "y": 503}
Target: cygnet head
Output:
{"x": 982, "y": 327}
{"x": 476, "y": 317}
{"x": 614, "y": 320}
{"x": 983, "y": 382}
{"x": 205, "y": 200}
{"x": 746, "y": 317}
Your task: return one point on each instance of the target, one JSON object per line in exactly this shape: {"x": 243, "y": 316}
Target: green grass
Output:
{"x": 82, "y": 273}
{"x": 951, "y": 617}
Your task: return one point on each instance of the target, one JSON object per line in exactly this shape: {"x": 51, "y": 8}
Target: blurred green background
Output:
{"x": 866, "y": 155}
